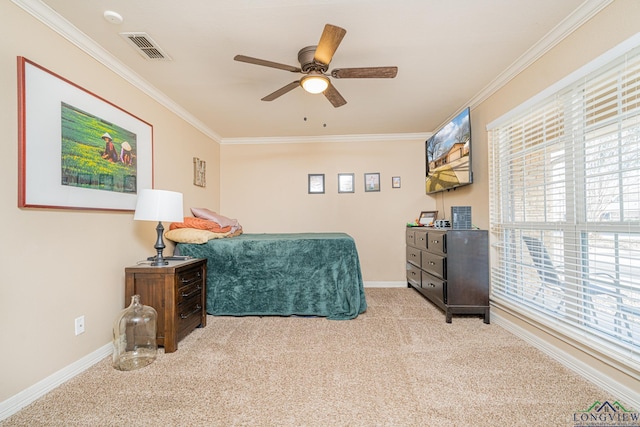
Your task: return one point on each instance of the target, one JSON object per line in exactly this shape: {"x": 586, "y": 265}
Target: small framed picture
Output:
{"x": 199, "y": 172}
{"x": 316, "y": 183}
{"x": 371, "y": 182}
{"x": 346, "y": 183}
{"x": 427, "y": 217}
{"x": 395, "y": 182}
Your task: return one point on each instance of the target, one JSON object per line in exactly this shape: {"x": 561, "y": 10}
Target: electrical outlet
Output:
{"x": 79, "y": 325}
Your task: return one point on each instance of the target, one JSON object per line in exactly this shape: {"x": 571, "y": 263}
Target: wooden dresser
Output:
{"x": 450, "y": 268}
{"x": 178, "y": 293}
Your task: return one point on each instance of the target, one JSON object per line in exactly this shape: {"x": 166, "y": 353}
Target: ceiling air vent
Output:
{"x": 145, "y": 46}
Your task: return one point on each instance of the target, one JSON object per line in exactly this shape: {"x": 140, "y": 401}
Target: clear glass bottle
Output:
{"x": 134, "y": 336}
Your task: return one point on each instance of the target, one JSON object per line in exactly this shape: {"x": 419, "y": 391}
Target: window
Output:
{"x": 565, "y": 207}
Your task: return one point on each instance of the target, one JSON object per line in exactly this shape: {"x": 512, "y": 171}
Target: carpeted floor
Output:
{"x": 398, "y": 364}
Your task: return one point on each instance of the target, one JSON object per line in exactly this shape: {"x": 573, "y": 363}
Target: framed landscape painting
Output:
{"x": 77, "y": 150}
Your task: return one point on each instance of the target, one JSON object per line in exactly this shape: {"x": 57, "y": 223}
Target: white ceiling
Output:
{"x": 449, "y": 54}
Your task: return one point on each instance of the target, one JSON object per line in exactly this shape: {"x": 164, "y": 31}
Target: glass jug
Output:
{"x": 134, "y": 336}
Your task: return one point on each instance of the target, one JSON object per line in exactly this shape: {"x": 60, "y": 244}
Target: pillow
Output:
{"x": 192, "y": 235}
{"x": 205, "y": 213}
{"x": 200, "y": 224}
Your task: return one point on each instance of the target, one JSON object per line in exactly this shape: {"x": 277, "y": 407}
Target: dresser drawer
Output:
{"x": 411, "y": 237}
{"x": 421, "y": 239}
{"x": 414, "y": 275}
{"x": 413, "y": 256}
{"x": 434, "y": 264}
{"x": 435, "y": 286}
{"x": 437, "y": 242}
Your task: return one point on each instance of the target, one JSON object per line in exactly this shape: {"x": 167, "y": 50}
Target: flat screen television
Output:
{"x": 448, "y": 155}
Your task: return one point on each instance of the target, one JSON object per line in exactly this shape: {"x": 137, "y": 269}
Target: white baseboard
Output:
{"x": 385, "y": 284}
{"x": 620, "y": 391}
{"x": 39, "y": 389}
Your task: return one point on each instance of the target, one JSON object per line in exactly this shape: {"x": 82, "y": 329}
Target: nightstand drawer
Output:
{"x": 189, "y": 286}
{"x": 188, "y": 315}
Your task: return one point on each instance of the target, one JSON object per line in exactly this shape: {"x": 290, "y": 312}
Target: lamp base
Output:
{"x": 159, "y": 246}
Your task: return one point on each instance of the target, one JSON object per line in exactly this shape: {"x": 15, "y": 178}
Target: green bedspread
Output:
{"x": 310, "y": 274}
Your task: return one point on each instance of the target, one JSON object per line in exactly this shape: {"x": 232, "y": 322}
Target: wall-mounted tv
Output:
{"x": 448, "y": 155}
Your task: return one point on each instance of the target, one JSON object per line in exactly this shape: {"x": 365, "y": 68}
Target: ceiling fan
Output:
{"x": 314, "y": 63}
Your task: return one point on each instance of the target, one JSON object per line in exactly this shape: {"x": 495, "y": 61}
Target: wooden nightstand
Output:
{"x": 178, "y": 293}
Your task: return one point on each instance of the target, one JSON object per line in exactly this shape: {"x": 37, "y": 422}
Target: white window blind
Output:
{"x": 565, "y": 209}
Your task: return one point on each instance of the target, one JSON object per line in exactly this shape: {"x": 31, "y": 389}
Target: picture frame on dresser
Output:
{"x": 427, "y": 217}
{"x": 76, "y": 150}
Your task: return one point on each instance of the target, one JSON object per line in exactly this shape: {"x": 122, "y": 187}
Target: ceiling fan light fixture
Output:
{"x": 314, "y": 83}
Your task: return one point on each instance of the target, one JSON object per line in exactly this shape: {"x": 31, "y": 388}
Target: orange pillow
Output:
{"x": 200, "y": 224}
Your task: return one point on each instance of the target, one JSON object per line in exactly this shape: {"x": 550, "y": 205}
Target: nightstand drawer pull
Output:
{"x": 190, "y": 279}
{"x": 195, "y": 310}
{"x": 193, "y": 292}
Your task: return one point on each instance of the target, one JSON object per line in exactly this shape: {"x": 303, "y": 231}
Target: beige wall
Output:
{"x": 610, "y": 27}
{"x": 264, "y": 186}
{"x": 59, "y": 264}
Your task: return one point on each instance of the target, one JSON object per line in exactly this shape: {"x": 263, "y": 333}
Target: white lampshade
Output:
{"x": 159, "y": 205}
{"x": 314, "y": 83}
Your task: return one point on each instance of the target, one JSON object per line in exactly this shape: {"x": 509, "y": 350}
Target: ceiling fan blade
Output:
{"x": 282, "y": 91}
{"x": 266, "y": 63}
{"x": 334, "y": 96}
{"x": 365, "y": 73}
{"x": 329, "y": 42}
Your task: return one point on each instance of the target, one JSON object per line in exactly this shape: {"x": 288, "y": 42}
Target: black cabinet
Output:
{"x": 450, "y": 268}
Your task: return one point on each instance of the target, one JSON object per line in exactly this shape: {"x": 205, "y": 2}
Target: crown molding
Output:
{"x": 57, "y": 23}
{"x": 578, "y": 17}
{"x": 329, "y": 138}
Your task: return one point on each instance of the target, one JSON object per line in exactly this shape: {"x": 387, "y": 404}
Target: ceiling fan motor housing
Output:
{"x": 307, "y": 63}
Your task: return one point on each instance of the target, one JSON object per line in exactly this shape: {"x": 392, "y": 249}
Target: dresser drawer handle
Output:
{"x": 432, "y": 263}
{"x": 434, "y": 241}
{"x": 188, "y": 294}
{"x": 197, "y": 309}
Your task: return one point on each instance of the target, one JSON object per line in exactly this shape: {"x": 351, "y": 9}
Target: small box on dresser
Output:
{"x": 178, "y": 293}
{"x": 450, "y": 268}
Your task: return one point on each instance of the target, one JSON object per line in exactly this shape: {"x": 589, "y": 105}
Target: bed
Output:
{"x": 308, "y": 274}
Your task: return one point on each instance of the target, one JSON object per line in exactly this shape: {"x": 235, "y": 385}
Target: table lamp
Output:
{"x": 159, "y": 205}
